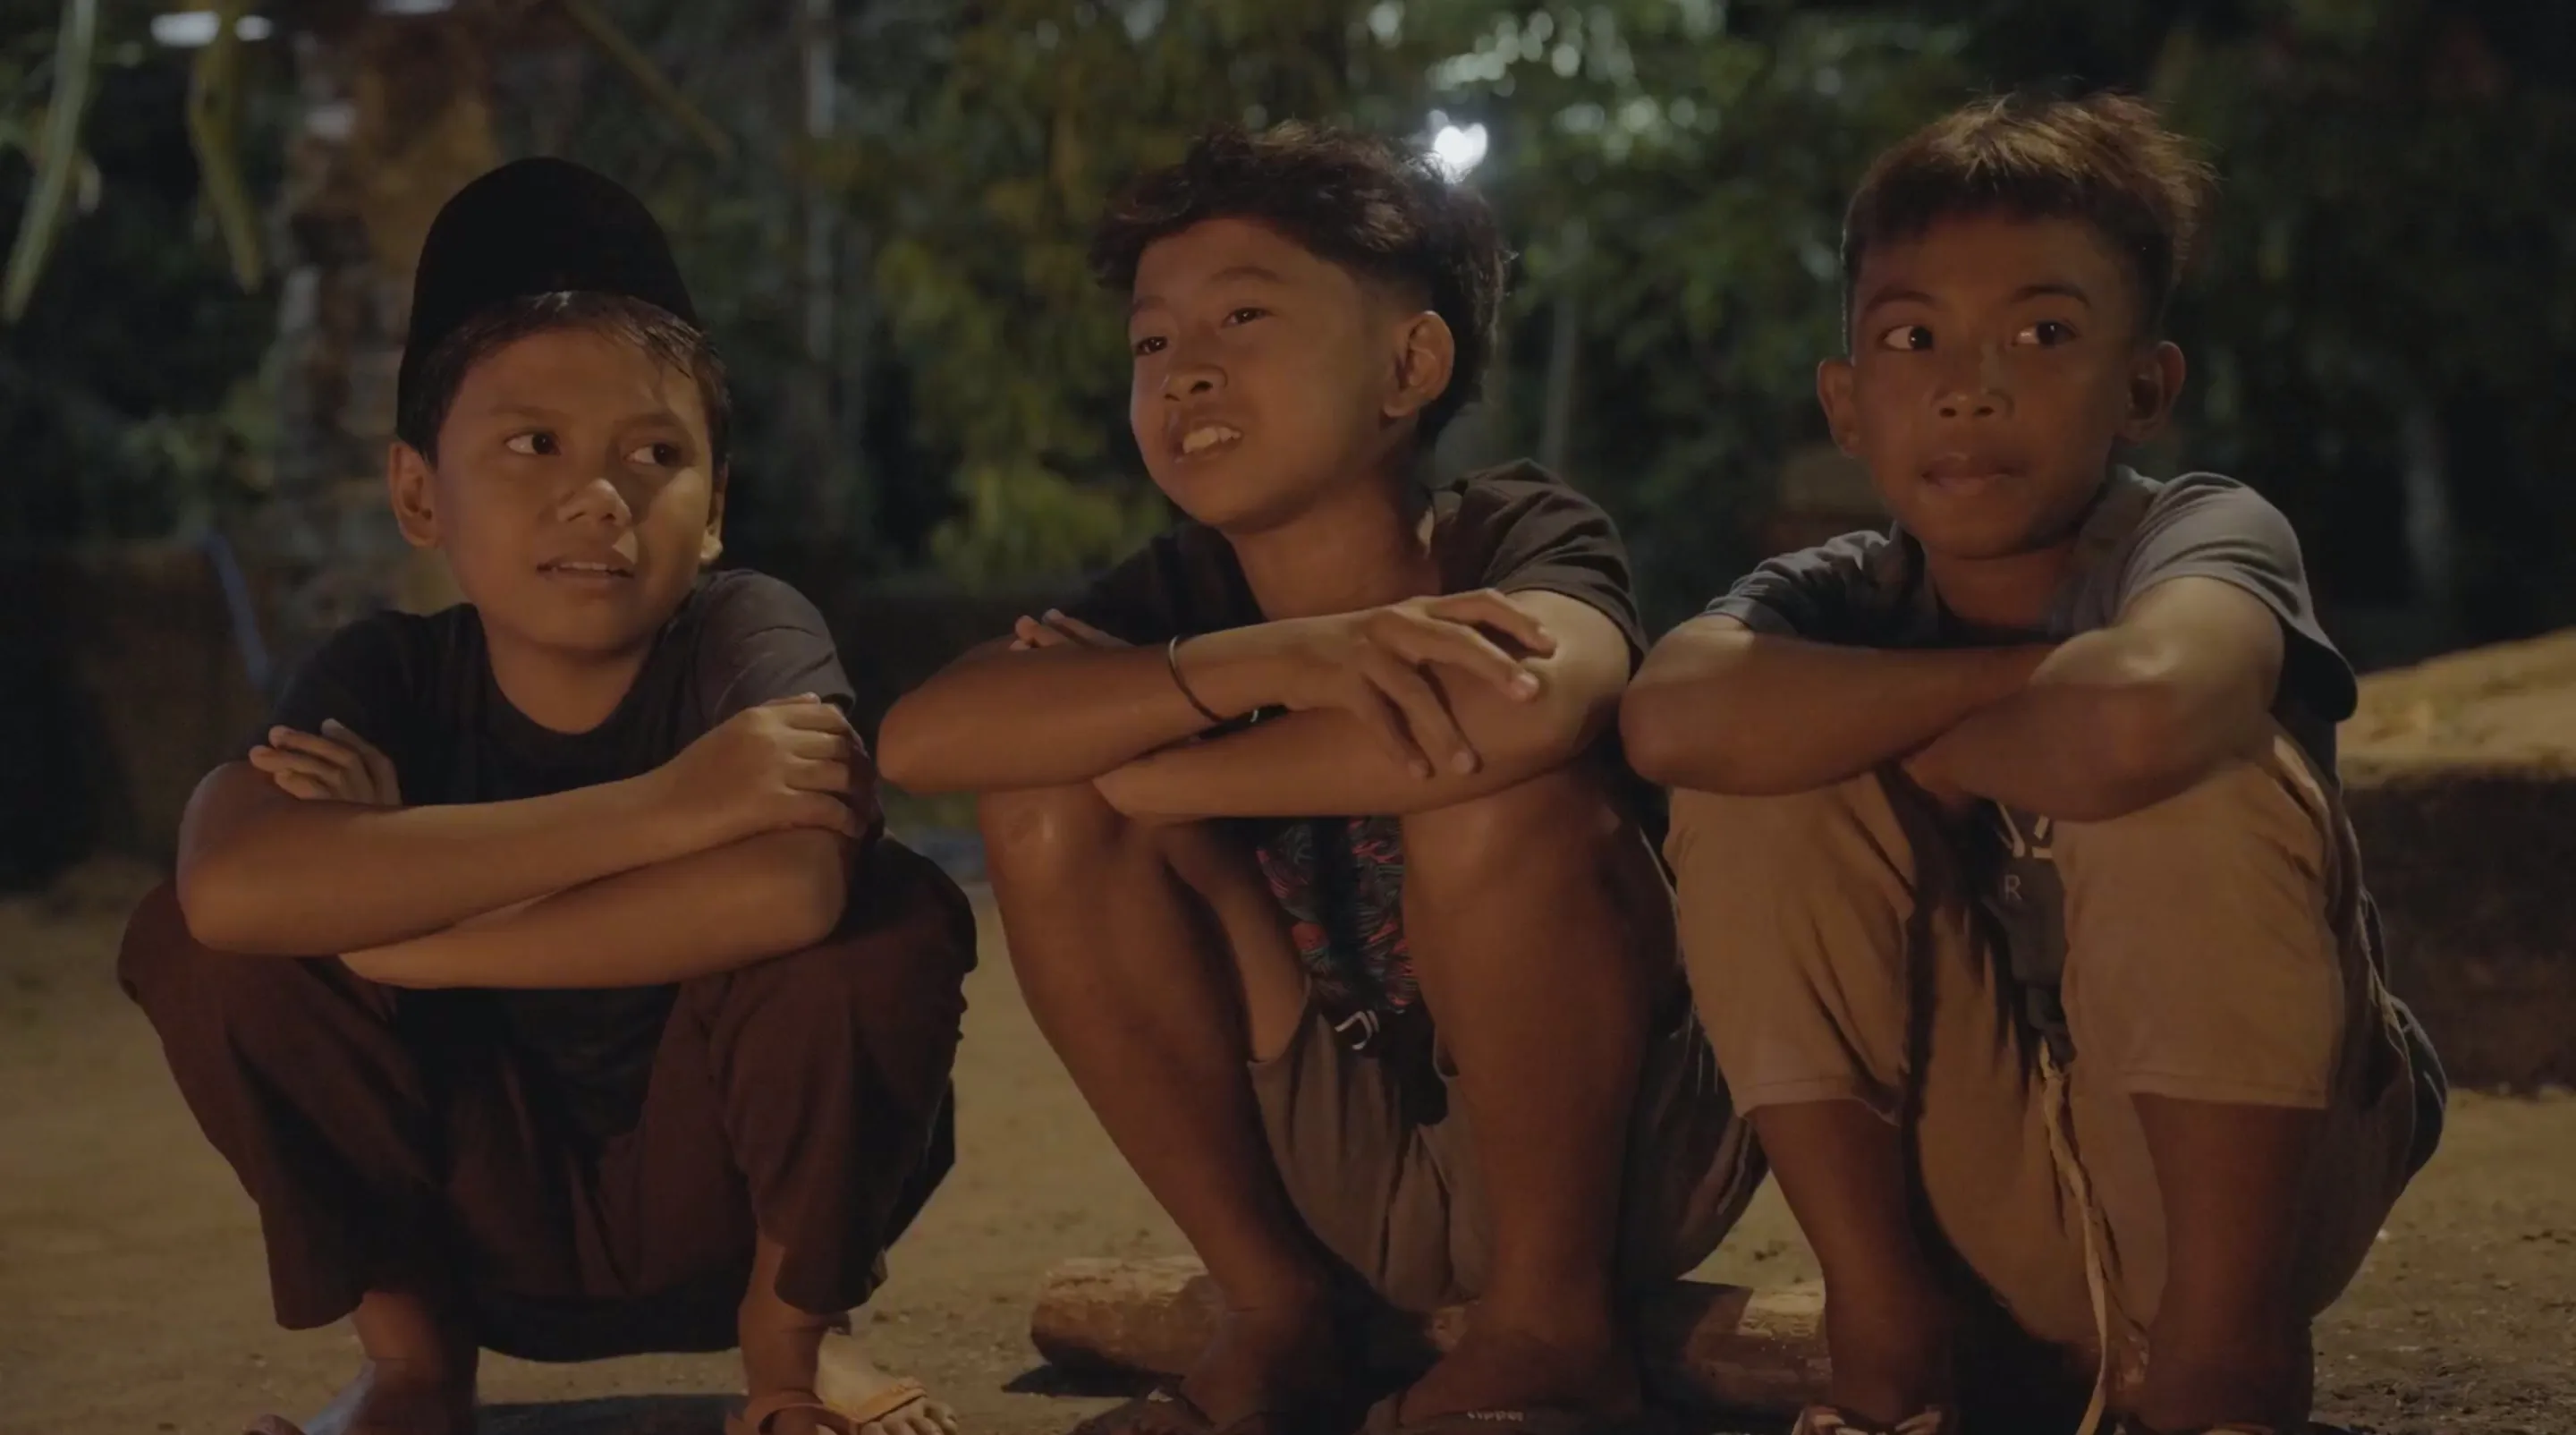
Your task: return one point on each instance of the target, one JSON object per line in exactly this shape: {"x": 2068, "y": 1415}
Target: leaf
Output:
{"x": 58, "y": 159}
{"x": 214, "y": 108}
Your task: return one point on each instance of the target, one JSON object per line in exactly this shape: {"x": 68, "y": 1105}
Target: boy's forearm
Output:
{"x": 2083, "y": 741}
{"x": 1719, "y": 708}
{"x": 710, "y": 911}
{"x": 1052, "y": 716}
{"x": 263, "y": 872}
{"x": 1325, "y": 763}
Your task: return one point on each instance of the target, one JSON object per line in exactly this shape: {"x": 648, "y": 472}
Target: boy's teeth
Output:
{"x": 1199, "y": 440}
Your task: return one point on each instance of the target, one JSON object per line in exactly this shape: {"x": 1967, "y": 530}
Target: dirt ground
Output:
{"x": 132, "y": 1297}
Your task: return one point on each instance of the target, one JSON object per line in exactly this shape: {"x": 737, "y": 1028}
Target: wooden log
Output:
{"x": 1716, "y": 1346}
{"x": 2461, "y": 778}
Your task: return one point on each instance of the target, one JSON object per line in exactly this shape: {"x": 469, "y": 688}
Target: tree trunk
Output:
{"x": 396, "y": 117}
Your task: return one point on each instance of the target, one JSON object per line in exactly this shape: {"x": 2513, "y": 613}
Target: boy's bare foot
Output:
{"x": 1497, "y": 1367}
{"x": 387, "y": 1400}
{"x": 1266, "y": 1358}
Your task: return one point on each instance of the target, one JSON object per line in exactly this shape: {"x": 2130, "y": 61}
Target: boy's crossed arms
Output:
{"x": 1396, "y": 709}
{"x": 2099, "y": 726}
{"x": 738, "y": 848}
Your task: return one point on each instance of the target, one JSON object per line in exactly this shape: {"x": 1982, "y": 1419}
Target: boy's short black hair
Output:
{"x": 1378, "y": 208}
{"x": 667, "y": 339}
{"x": 2105, "y": 159}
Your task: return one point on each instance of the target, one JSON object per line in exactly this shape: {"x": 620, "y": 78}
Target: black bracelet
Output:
{"x": 1172, "y": 660}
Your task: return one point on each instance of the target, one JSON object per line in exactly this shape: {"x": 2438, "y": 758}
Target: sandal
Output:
{"x": 898, "y": 1396}
{"x": 1826, "y": 1420}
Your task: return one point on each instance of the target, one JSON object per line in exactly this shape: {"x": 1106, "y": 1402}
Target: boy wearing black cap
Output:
{"x": 591, "y": 1013}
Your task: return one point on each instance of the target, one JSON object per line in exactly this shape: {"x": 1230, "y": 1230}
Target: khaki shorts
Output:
{"x": 2218, "y": 950}
{"x": 1399, "y": 1199}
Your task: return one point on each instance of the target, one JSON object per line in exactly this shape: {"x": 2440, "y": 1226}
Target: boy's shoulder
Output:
{"x": 393, "y": 646}
{"x": 1517, "y": 487}
{"x": 730, "y": 601}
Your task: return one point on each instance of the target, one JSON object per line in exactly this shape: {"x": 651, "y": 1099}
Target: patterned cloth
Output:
{"x": 1341, "y": 882}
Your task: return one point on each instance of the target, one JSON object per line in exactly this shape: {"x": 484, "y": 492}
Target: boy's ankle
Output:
{"x": 1892, "y": 1357}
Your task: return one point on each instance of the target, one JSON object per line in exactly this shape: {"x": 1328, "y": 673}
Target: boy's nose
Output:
{"x": 598, "y": 499}
{"x": 1189, "y": 380}
{"x": 1974, "y": 388}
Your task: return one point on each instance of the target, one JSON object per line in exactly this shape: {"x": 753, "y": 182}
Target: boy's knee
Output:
{"x": 1039, "y": 833}
{"x": 2260, "y": 813}
{"x": 1734, "y": 836}
{"x": 1488, "y": 844}
{"x": 161, "y": 965}
{"x": 906, "y": 947}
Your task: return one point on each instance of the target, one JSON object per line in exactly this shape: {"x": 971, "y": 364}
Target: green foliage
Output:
{"x": 2387, "y": 285}
{"x": 981, "y": 195}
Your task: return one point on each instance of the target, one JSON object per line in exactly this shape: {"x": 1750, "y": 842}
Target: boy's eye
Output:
{"x": 1246, "y": 315}
{"x": 660, "y": 455}
{"x": 1906, "y": 337}
{"x": 538, "y": 444}
{"x": 2046, "y": 334}
{"x": 1150, "y": 344}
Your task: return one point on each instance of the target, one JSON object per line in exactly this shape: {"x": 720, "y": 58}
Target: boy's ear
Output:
{"x": 1426, "y": 356}
{"x": 408, "y": 483}
{"x": 2155, "y": 381}
{"x": 711, "y": 542}
{"x": 1842, "y": 415}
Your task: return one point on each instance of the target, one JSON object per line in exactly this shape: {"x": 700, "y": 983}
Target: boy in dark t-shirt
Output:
{"x": 543, "y": 973}
{"x": 1315, "y": 865}
{"x": 2014, "y": 872}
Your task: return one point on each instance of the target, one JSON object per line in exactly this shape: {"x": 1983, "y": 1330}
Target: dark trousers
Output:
{"x": 393, "y": 1140}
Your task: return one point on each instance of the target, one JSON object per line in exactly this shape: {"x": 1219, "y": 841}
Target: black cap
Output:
{"x": 536, "y": 226}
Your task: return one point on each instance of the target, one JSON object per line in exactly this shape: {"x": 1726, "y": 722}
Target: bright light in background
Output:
{"x": 188, "y": 29}
{"x": 1459, "y": 150}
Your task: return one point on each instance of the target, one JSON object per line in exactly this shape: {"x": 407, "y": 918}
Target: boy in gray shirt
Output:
{"x": 2016, "y": 883}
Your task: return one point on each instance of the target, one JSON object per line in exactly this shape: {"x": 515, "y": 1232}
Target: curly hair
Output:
{"x": 1375, "y": 207}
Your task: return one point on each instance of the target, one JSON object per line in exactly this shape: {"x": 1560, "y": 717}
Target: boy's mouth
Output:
{"x": 1200, "y": 440}
{"x": 585, "y": 568}
{"x": 1965, "y": 472}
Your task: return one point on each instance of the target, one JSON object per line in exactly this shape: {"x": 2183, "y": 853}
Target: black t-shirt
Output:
{"x": 1870, "y": 590}
{"x": 1515, "y": 529}
{"x": 421, "y": 689}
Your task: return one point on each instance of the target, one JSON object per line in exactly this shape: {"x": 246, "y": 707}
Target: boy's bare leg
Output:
{"x": 1842, "y": 1168}
{"x": 2229, "y": 1340}
{"x": 781, "y": 1346}
{"x": 1542, "y": 935}
{"x": 418, "y": 1378}
{"x": 1124, "y": 977}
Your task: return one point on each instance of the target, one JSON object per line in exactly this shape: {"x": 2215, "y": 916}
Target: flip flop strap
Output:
{"x": 756, "y": 1414}
{"x": 899, "y": 1394}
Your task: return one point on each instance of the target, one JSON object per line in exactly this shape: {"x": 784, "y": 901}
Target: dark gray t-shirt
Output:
{"x": 1869, "y": 590}
{"x": 421, "y": 689}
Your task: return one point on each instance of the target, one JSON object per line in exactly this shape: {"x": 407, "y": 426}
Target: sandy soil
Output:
{"x": 132, "y": 1296}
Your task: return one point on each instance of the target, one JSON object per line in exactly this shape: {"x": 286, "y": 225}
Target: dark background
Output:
{"x": 882, "y": 206}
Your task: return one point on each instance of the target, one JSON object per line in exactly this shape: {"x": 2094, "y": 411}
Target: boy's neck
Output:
{"x": 561, "y": 692}
{"x": 1362, "y": 545}
{"x": 2008, "y": 598}
{"x": 2000, "y": 597}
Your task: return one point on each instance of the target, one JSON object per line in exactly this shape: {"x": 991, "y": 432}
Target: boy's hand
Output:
{"x": 1059, "y": 629}
{"x": 336, "y": 766}
{"x": 1373, "y": 664}
{"x": 1924, "y": 769}
{"x": 792, "y": 762}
